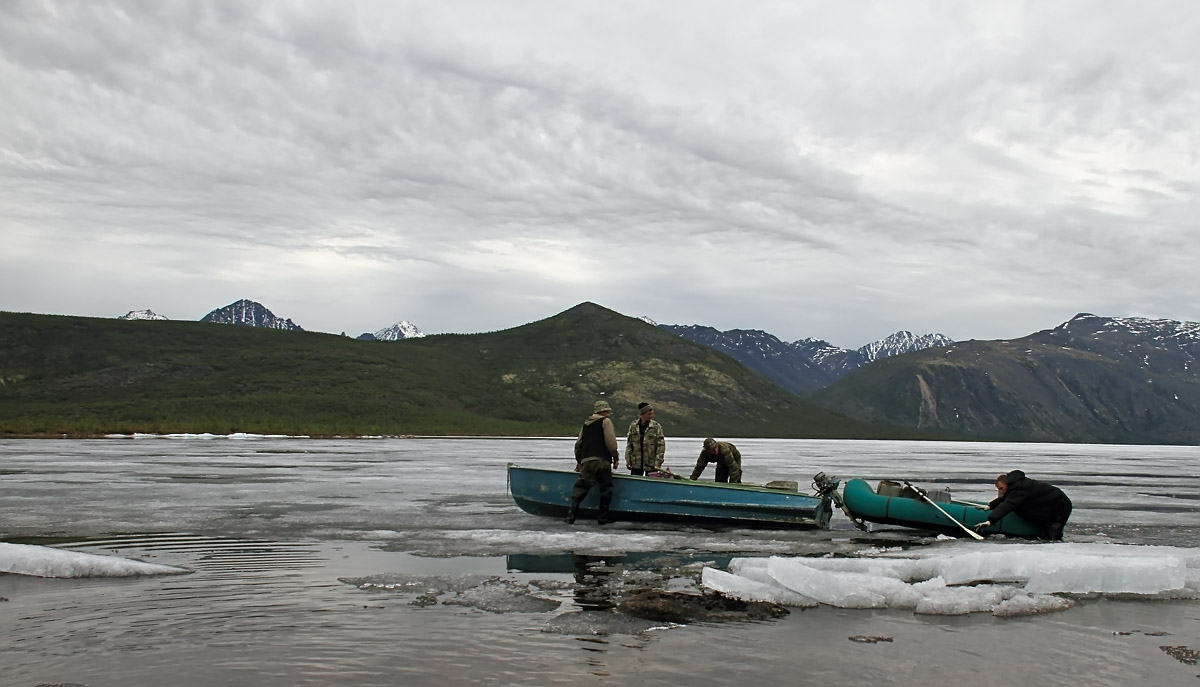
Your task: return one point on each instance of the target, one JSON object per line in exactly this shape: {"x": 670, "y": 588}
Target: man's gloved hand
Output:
{"x": 983, "y": 525}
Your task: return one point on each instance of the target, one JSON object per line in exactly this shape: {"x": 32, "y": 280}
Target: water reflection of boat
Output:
{"x": 892, "y": 504}
{"x": 543, "y": 491}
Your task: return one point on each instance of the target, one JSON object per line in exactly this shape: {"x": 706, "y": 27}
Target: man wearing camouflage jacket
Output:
{"x": 727, "y": 458}
{"x": 645, "y": 444}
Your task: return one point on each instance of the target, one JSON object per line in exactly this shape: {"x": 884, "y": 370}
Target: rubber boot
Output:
{"x": 604, "y": 518}
{"x": 570, "y": 519}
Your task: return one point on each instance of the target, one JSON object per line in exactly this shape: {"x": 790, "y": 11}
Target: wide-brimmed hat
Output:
{"x": 601, "y": 407}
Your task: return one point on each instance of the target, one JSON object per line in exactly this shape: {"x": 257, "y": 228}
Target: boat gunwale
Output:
{"x": 683, "y": 481}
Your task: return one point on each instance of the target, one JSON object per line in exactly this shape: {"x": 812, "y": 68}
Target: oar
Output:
{"x": 925, "y": 497}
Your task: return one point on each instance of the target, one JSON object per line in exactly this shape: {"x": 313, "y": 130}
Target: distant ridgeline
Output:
{"x": 1090, "y": 380}
{"x": 75, "y": 375}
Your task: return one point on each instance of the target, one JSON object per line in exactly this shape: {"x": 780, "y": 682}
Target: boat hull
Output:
{"x": 862, "y": 502}
{"x": 547, "y": 492}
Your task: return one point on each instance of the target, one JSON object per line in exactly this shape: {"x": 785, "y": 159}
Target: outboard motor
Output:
{"x": 824, "y": 485}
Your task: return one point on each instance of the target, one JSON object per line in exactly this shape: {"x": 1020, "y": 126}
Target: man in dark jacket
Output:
{"x": 596, "y": 454}
{"x": 1041, "y": 503}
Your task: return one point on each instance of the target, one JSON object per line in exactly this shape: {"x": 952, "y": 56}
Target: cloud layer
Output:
{"x": 981, "y": 170}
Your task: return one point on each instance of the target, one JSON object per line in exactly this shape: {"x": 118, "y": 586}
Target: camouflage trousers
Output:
{"x": 594, "y": 471}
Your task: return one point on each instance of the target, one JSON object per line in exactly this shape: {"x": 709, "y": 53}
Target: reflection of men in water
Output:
{"x": 1041, "y": 503}
{"x": 596, "y": 454}
{"x": 725, "y": 455}
{"x": 591, "y": 590}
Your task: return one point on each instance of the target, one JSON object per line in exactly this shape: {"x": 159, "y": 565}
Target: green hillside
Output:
{"x": 88, "y": 376}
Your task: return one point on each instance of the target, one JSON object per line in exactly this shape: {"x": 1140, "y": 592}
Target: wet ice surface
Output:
{"x": 394, "y": 561}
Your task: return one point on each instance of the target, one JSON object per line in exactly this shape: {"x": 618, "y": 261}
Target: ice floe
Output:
{"x": 961, "y": 578}
{"x": 45, "y": 561}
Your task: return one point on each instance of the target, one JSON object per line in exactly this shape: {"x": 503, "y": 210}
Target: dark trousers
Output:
{"x": 593, "y": 472}
{"x": 1052, "y": 529}
{"x": 723, "y": 473}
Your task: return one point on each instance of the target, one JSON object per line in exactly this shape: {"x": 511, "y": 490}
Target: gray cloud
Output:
{"x": 983, "y": 170}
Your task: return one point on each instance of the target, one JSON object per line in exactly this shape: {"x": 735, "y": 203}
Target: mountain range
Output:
{"x": 1092, "y": 379}
{"x": 246, "y": 312}
{"x": 799, "y": 367}
{"x": 77, "y": 376}
{"x": 806, "y": 365}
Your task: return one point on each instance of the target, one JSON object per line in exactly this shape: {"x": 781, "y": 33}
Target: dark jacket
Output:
{"x": 596, "y": 439}
{"x": 1038, "y": 502}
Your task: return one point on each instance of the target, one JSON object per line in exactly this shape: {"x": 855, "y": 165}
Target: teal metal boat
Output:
{"x": 893, "y": 505}
{"x": 547, "y": 492}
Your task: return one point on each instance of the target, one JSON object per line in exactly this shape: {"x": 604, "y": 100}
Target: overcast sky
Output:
{"x": 839, "y": 171}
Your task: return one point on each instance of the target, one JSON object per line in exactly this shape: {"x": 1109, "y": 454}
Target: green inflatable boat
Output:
{"x": 893, "y": 503}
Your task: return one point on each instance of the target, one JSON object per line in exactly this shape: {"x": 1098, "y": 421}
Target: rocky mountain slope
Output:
{"x": 1091, "y": 379}
{"x": 249, "y": 313}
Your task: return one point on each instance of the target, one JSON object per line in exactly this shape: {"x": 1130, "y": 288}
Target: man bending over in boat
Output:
{"x": 596, "y": 454}
{"x": 1041, "y": 503}
{"x": 727, "y": 458}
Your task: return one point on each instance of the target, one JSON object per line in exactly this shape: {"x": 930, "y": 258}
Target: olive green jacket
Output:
{"x": 727, "y": 456}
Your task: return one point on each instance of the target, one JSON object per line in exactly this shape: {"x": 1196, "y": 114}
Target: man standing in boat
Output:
{"x": 1041, "y": 503}
{"x": 596, "y": 454}
{"x": 727, "y": 458}
{"x": 645, "y": 444}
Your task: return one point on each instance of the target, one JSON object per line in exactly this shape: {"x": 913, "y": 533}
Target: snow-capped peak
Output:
{"x": 401, "y": 330}
{"x": 141, "y": 315}
{"x": 902, "y": 342}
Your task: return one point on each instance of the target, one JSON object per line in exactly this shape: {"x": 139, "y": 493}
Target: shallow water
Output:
{"x": 404, "y": 561}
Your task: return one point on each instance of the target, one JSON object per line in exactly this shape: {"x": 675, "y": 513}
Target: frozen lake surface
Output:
{"x": 405, "y": 561}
